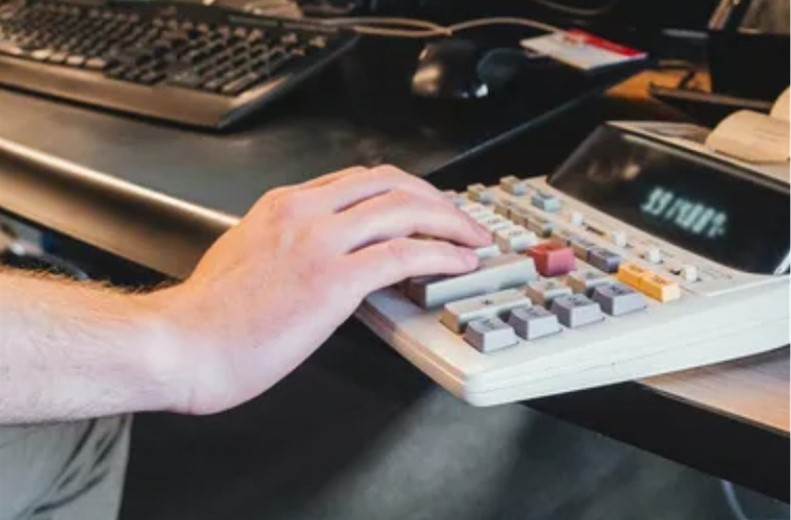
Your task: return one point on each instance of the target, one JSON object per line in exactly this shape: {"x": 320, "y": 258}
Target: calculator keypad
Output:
{"x": 542, "y": 274}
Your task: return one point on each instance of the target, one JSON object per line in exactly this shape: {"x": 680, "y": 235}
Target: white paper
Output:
{"x": 780, "y": 108}
{"x": 752, "y": 137}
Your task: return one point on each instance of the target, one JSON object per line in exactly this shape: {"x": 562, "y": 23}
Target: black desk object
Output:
{"x": 198, "y": 65}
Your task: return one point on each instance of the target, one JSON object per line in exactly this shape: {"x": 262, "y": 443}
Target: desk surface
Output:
{"x": 228, "y": 172}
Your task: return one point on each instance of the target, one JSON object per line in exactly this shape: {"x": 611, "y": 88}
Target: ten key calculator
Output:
{"x": 643, "y": 253}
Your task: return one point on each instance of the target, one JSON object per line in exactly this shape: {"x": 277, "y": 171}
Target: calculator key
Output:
{"x": 576, "y": 218}
{"x": 585, "y": 280}
{"x": 653, "y": 255}
{"x": 456, "y": 315}
{"x": 515, "y": 239}
{"x": 546, "y": 202}
{"x": 473, "y": 208}
{"x": 480, "y": 193}
{"x": 581, "y": 246}
{"x": 618, "y": 299}
{"x": 618, "y": 238}
{"x": 490, "y": 334}
{"x": 631, "y": 274}
{"x": 659, "y": 288}
{"x": 496, "y": 222}
{"x": 488, "y": 251}
{"x": 513, "y": 185}
{"x": 552, "y": 259}
{"x": 494, "y": 274}
{"x": 561, "y": 236}
{"x": 541, "y": 226}
{"x": 604, "y": 259}
{"x": 533, "y": 322}
{"x": 504, "y": 207}
{"x": 576, "y": 310}
{"x": 520, "y": 216}
{"x": 689, "y": 273}
{"x": 544, "y": 291}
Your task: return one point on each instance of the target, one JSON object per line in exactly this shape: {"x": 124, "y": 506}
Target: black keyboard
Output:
{"x": 188, "y": 63}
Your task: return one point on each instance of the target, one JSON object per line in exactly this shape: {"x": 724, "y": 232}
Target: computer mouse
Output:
{"x": 449, "y": 69}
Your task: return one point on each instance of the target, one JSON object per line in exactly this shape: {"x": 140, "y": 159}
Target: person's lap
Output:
{"x": 64, "y": 471}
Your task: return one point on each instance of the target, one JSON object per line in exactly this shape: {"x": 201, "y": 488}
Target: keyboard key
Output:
{"x": 552, "y": 259}
{"x": 576, "y": 310}
{"x": 490, "y": 334}
{"x": 496, "y": 222}
{"x": 533, "y": 322}
{"x": 542, "y": 292}
{"x": 494, "y": 274}
{"x": 659, "y": 288}
{"x": 488, "y": 251}
{"x": 585, "y": 280}
{"x": 504, "y": 207}
{"x": 561, "y": 236}
{"x": 618, "y": 238}
{"x": 541, "y": 226}
{"x": 75, "y": 60}
{"x": 515, "y": 239}
{"x": 631, "y": 274}
{"x": 604, "y": 259}
{"x": 457, "y": 314}
{"x": 241, "y": 84}
{"x": 581, "y": 247}
{"x": 546, "y": 202}
{"x": 480, "y": 193}
{"x": 513, "y": 185}
{"x": 618, "y": 299}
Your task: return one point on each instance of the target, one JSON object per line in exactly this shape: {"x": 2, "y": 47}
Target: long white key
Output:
{"x": 493, "y": 274}
{"x": 457, "y": 314}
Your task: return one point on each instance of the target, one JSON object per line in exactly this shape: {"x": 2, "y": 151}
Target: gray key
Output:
{"x": 533, "y": 322}
{"x": 604, "y": 259}
{"x": 493, "y": 274}
{"x": 456, "y": 315}
{"x": 546, "y": 202}
{"x": 490, "y": 334}
{"x": 513, "y": 185}
{"x": 618, "y": 299}
{"x": 544, "y": 291}
{"x": 480, "y": 193}
{"x": 496, "y": 222}
{"x": 576, "y": 311}
{"x": 585, "y": 280}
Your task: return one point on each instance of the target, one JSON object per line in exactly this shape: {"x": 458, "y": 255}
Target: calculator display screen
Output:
{"x": 729, "y": 215}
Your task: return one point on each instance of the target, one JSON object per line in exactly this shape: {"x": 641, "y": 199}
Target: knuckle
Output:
{"x": 402, "y": 198}
{"x": 400, "y": 251}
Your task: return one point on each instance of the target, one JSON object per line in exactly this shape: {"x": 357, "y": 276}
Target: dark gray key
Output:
{"x": 576, "y": 311}
{"x": 618, "y": 299}
{"x": 493, "y": 274}
{"x": 604, "y": 259}
{"x": 533, "y": 322}
{"x": 490, "y": 334}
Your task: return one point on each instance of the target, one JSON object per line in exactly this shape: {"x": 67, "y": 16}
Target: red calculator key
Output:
{"x": 552, "y": 259}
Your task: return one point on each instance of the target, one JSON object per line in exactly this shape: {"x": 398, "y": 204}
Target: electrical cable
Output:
{"x": 416, "y": 28}
{"x": 579, "y": 11}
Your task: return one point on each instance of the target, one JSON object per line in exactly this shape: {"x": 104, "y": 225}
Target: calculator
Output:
{"x": 643, "y": 253}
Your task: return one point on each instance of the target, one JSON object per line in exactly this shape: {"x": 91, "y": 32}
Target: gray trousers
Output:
{"x": 64, "y": 471}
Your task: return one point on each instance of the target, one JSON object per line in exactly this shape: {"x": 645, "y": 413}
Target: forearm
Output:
{"x": 72, "y": 350}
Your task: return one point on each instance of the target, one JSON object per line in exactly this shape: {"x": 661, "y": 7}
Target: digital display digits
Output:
{"x": 691, "y": 216}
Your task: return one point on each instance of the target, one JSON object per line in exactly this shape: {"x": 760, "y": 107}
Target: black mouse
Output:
{"x": 449, "y": 69}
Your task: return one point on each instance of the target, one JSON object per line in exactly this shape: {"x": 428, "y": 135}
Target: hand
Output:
{"x": 274, "y": 287}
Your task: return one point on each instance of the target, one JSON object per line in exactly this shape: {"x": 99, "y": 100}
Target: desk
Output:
{"x": 158, "y": 196}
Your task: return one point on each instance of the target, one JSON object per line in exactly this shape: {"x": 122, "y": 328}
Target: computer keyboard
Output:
{"x": 192, "y": 64}
{"x": 637, "y": 257}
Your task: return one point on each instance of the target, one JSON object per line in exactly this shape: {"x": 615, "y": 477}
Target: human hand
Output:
{"x": 275, "y": 286}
